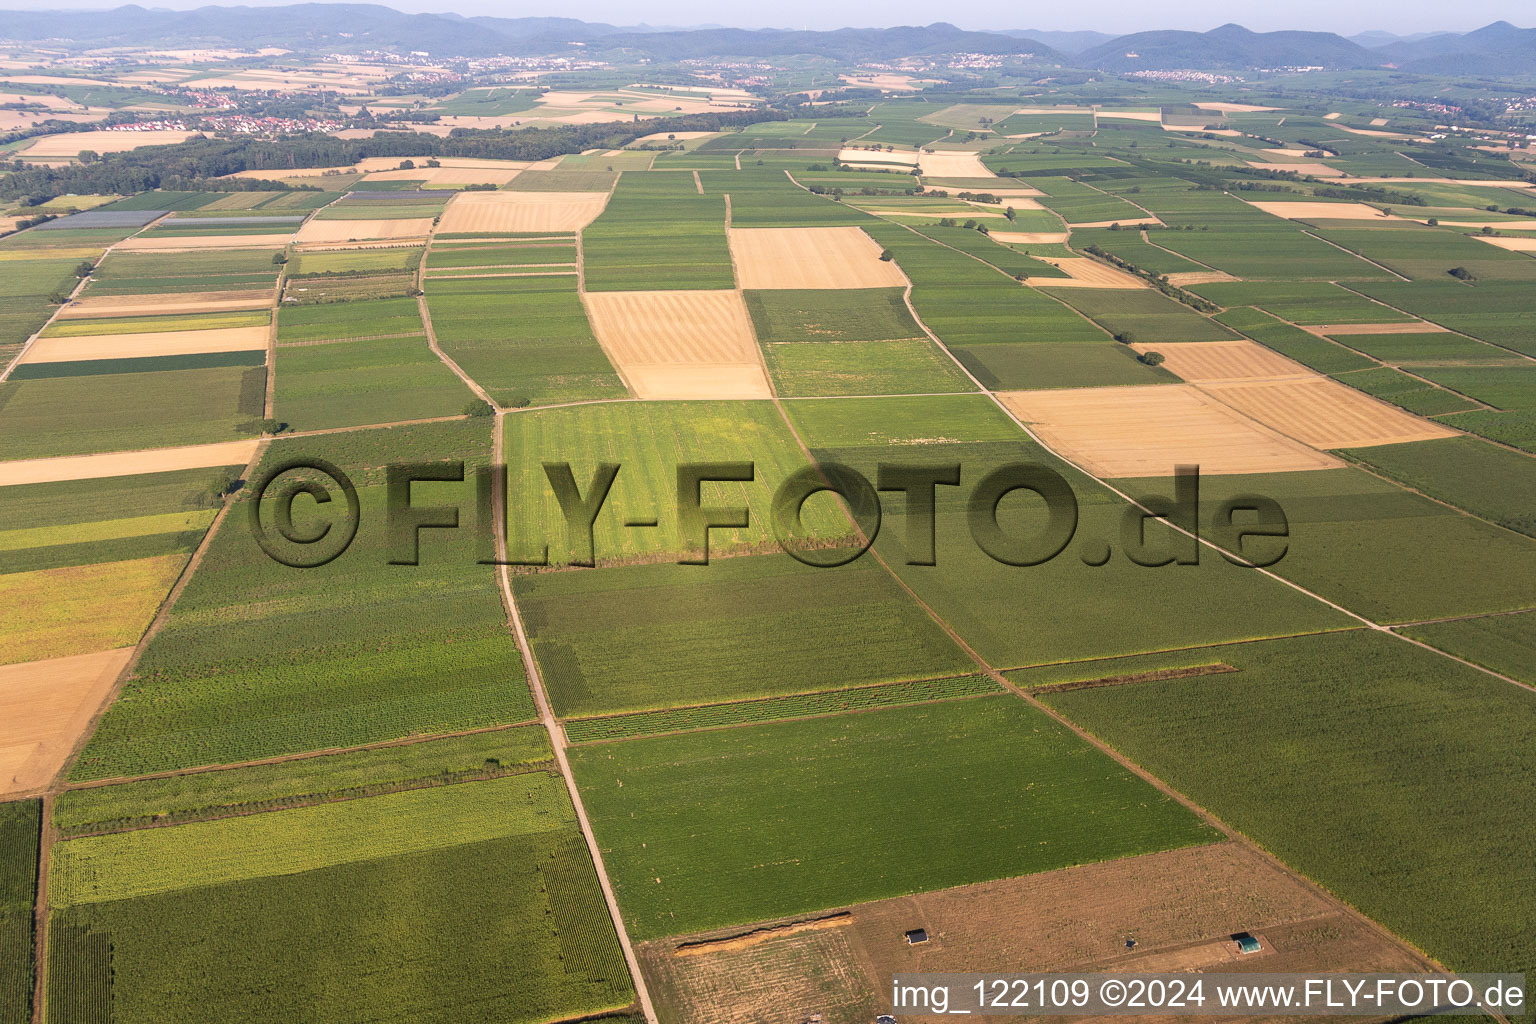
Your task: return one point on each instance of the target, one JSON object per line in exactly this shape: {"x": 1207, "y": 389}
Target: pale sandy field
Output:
{"x": 821, "y": 258}
{"x": 157, "y": 343}
{"x": 953, "y": 164}
{"x": 521, "y": 211}
{"x": 1202, "y": 361}
{"x": 1147, "y": 431}
{"x": 1200, "y": 277}
{"x": 1235, "y": 108}
{"x": 680, "y": 344}
{"x": 1512, "y": 244}
{"x": 47, "y": 705}
{"x": 103, "y": 142}
{"x": 1326, "y": 414}
{"x": 144, "y": 305}
{"x": 1128, "y": 223}
{"x": 1322, "y": 211}
{"x": 904, "y": 158}
{"x": 194, "y": 243}
{"x": 1086, "y": 273}
{"x": 364, "y": 230}
{"x": 1030, "y": 237}
{"x": 1410, "y": 327}
{"x": 96, "y": 467}
{"x": 1317, "y": 170}
{"x": 1154, "y": 116}
{"x": 451, "y": 175}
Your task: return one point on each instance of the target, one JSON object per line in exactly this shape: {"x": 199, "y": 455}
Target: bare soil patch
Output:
{"x": 1133, "y": 222}
{"x": 1234, "y": 108}
{"x": 71, "y": 143}
{"x": 1411, "y": 327}
{"x": 1326, "y": 414}
{"x": 1182, "y": 907}
{"x": 363, "y": 230}
{"x": 1322, "y": 211}
{"x": 822, "y": 258}
{"x": 1083, "y": 272}
{"x": 142, "y": 305}
{"x": 1202, "y": 361}
{"x": 680, "y": 344}
{"x": 1200, "y": 277}
{"x": 1147, "y": 431}
{"x": 1030, "y": 237}
{"x": 156, "y": 343}
{"x": 953, "y": 164}
{"x": 46, "y": 706}
{"x": 521, "y": 212}
{"x": 158, "y": 460}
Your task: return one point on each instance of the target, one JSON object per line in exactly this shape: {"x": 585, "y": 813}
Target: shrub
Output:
{"x": 1150, "y": 358}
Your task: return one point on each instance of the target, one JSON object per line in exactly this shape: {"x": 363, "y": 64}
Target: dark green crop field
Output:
{"x": 801, "y": 814}
{"x": 658, "y": 232}
{"x": 1358, "y": 734}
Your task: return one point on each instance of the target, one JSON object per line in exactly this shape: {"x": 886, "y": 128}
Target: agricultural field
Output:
{"x": 434, "y": 555}
{"x": 771, "y": 851}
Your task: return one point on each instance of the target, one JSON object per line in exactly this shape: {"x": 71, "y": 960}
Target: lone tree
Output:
{"x": 1150, "y": 358}
{"x": 885, "y": 256}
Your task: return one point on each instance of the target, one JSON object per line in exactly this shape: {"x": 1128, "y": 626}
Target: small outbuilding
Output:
{"x": 917, "y": 936}
{"x": 1247, "y": 943}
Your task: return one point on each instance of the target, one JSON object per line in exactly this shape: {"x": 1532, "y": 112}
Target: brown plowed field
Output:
{"x": 1326, "y": 414}
{"x": 1201, "y": 361}
{"x": 680, "y": 344}
{"x": 46, "y": 705}
{"x": 1181, "y": 907}
{"x": 157, "y": 460}
{"x": 1086, "y": 273}
{"x": 156, "y": 343}
{"x": 521, "y": 212}
{"x": 1147, "y": 431}
{"x": 146, "y": 305}
{"x": 363, "y": 230}
{"x": 823, "y": 258}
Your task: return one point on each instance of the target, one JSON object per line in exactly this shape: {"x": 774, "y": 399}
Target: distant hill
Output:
{"x": 1230, "y": 46}
{"x": 1495, "y": 50}
{"x": 1374, "y": 38}
{"x": 1062, "y": 42}
{"x": 847, "y": 44}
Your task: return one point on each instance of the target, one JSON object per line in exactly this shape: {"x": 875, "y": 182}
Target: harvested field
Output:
{"x": 1321, "y": 211}
{"x": 680, "y": 344}
{"x": 451, "y": 175}
{"x": 880, "y": 158}
{"x": 1147, "y": 431}
{"x": 1200, "y": 277}
{"x": 363, "y": 230}
{"x": 1317, "y": 170}
{"x": 953, "y": 164}
{"x": 1083, "y": 272}
{"x": 150, "y": 305}
{"x": 46, "y": 705}
{"x": 94, "y": 467}
{"x": 1030, "y": 237}
{"x": 1182, "y": 907}
{"x": 193, "y": 243}
{"x": 1123, "y": 223}
{"x": 521, "y": 212}
{"x": 1411, "y": 327}
{"x": 810, "y": 258}
{"x": 156, "y": 343}
{"x": 1326, "y": 414}
{"x": 103, "y": 141}
{"x": 1234, "y": 108}
{"x": 1200, "y": 361}
{"x": 1512, "y": 244}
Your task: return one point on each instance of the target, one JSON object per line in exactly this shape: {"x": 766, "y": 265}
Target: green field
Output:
{"x": 802, "y": 815}
{"x": 660, "y": 636}
{"x": 77, "y": 415}
{"x": 649, "y": 441}
{"x": 134, "y": 273}
{"x": 258, "y": 659}
{"x": 1141, "y": 315}
{"x": 260, "y": 914}
{"x": 1503, "y": 643}
{"x": 345, "y": 384}
{"x": 20, "y": 825}
{"x": 658, "y": 232}
{"x": 1488, "y": 481}
{"x": 525, "y": 340}
{"x": 1348, "y": 735}
{"x": 148, "y": 324}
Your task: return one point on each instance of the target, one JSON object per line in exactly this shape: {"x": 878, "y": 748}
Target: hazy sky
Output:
{"x": 1113, "y": 16}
